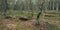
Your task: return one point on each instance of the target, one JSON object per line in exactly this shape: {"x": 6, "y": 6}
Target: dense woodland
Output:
{"x": 29, "y": 14}
{"x": 30, "y": 4}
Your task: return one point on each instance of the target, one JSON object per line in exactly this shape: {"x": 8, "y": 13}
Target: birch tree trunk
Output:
{"x": 53, "y": 5}
{"x": 45, "y": 5}
{"x": 50, "y": 5}
{"x": 57, "y": 6}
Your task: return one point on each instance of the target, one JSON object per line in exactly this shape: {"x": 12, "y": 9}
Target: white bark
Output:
{"x": 16, "y": 1}
{"x": 53, "y": 5}
{"x": 57, "y": 6}
{"x": 50, "y": 5}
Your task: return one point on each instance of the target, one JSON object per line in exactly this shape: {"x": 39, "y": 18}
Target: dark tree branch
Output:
{"x": 41, "y": 8}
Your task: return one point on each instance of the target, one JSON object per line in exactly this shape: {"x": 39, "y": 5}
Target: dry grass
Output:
{"x": 8, "y": 24}
{"x": 15, "y": 24}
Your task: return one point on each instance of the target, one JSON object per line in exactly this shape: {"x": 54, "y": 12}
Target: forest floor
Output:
{"x": 17, "y": 24}
{"x": 14, "y": 24}
{"x": 51, "y": 21}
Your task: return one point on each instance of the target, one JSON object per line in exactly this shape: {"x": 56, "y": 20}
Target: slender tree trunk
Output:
{"x": 4, "y": 3}
{"x": 50, "y": 5}
{"x": 53, "y": 5}
{"x": 46, "y": 5}
{"x": 5, "y": 7}
{"x": 40, "y": 13}
{"x": 57, "y": 6}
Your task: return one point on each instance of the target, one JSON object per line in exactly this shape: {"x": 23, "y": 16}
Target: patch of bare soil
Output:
{"x": 9, "y": 24}
{"x": 5, "y": 21}
{"x": 30, "y": 22}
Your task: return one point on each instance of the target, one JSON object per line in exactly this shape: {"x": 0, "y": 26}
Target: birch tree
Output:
{"x": 57, "y": 5}
{"x": 53, "y": 4}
